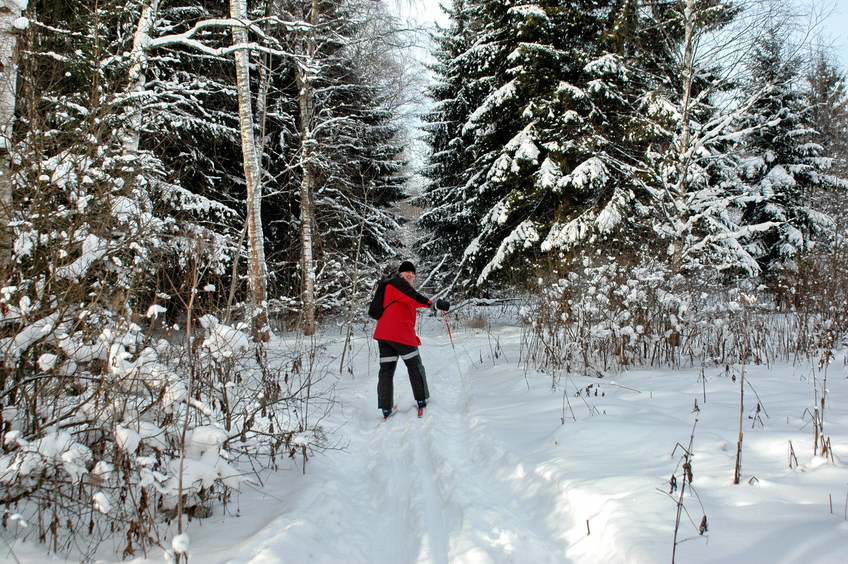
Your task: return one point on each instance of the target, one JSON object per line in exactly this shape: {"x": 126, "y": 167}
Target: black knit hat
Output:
{"x": 406, "y": 266}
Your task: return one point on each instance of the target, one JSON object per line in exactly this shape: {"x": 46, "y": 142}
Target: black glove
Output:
{"x": 443, "y": 305}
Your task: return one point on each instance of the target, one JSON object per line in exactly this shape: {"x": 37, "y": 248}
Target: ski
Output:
{"x": 394, "y": 410}
{"x": 420, "y": 412}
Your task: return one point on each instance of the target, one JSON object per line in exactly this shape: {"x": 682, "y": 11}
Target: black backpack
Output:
{"x": 376, "y": 309}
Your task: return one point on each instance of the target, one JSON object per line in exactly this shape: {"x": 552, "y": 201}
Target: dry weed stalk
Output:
{"x": 679, "y": 485}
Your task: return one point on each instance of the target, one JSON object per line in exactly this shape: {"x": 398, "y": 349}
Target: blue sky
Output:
{"x": 836, "y": 29}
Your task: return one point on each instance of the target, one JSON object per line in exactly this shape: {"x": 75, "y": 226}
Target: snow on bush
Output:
{"x": 606, "y": 317}
{"x": 143, "y": 429}
{"x": 223, "y": 341}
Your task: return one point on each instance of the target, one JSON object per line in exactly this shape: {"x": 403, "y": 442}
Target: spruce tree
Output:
{"x": 535, "y": 158}
{"x": 826, "y": 94}
{"x": 553, "y": 140}
{"x": 449, "y": 225}
{"x": 71, "y": 110}
{"x": 784, "y": 173}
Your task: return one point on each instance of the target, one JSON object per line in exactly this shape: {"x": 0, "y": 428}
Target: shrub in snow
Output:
{"x": 602, "y": 316}
{"x": 144, "y": 431}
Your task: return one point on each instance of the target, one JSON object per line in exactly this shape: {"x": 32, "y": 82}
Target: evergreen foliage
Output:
{"x": 546, "y": 115}
{"x": 561, "y": 127}
{"x": 826, "y": 95}
{"x": 189, "y": 109}
{"x": 690, "y": 165}
{"x": 190, "y": 125}
{"x": 70, "y": 158}
{"x": 520, "y": 153}
{"x": 596, "y": 140}
{"x": 450, "y": 224}
{"x": 786, "y": 177}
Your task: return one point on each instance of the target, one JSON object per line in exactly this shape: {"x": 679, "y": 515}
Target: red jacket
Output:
{"x": 397, "y": 323}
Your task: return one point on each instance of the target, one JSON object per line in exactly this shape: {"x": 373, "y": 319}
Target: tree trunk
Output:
{"x": 130, "y": 133}
{"x": 9, "y": 11}
{"x": 306, "y": 102}
{"x": 257, "y": 269}
{"x": 689, "y": 13}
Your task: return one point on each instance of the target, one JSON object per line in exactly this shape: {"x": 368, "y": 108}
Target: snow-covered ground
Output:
{"x": 506, "y": 467}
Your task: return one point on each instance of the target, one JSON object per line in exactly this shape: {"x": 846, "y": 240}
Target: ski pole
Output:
{"x": 450, "y": 336}
{"x": 449, "y": 331}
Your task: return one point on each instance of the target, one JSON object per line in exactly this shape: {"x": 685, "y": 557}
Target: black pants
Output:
{"x": 390, "y": 352}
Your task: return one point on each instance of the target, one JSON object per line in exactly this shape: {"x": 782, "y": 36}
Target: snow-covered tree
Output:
{"x": 257, "y": 269}
{"x": 96, "y": 226}
{"x": 694, "y": 186}
{"x": 530, "y": 116}
{"x": 193, "y": 124}
{"x": 91, "y": 235}
{"x": 784, "y": 170}
{"x": 189, "y": 104}
{"x": 72, "y": 118}
{"x": 449, "y": 224}
{"x": 541, "y": 131}
{"x": 111, "y": 378}
{"x": 102, "y": 238}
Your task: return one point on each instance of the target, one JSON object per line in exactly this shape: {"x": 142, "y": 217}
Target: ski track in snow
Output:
{"x": 444, "y": 475}
{"x": 497, "y": 517}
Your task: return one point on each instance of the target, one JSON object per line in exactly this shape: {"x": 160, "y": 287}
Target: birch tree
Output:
{"x": 10, "y": 11}
{"x": 305, "y": 71}
{"x": 694, "y": 211}
{"x": 130, "y": 133}
{"x": 700, "y": 113}
{"x": 257, "y": 269}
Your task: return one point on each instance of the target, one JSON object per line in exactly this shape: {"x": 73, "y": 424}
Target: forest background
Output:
{"x": 184, "y": 178}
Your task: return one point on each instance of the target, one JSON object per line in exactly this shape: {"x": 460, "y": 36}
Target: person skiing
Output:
{"x": 396, "y": 338}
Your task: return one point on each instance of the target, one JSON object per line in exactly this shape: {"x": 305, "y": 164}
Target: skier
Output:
{"x": 396, "y": 338}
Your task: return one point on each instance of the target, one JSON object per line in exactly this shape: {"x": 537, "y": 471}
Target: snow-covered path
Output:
{"x": 506, "y": 467}
{"x": 442, "y": 488}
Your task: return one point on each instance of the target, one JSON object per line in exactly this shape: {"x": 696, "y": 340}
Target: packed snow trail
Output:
{"x": 512, "y": 465}
{"x": 437, "y": 489}
{"x": 497, "y": 507}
